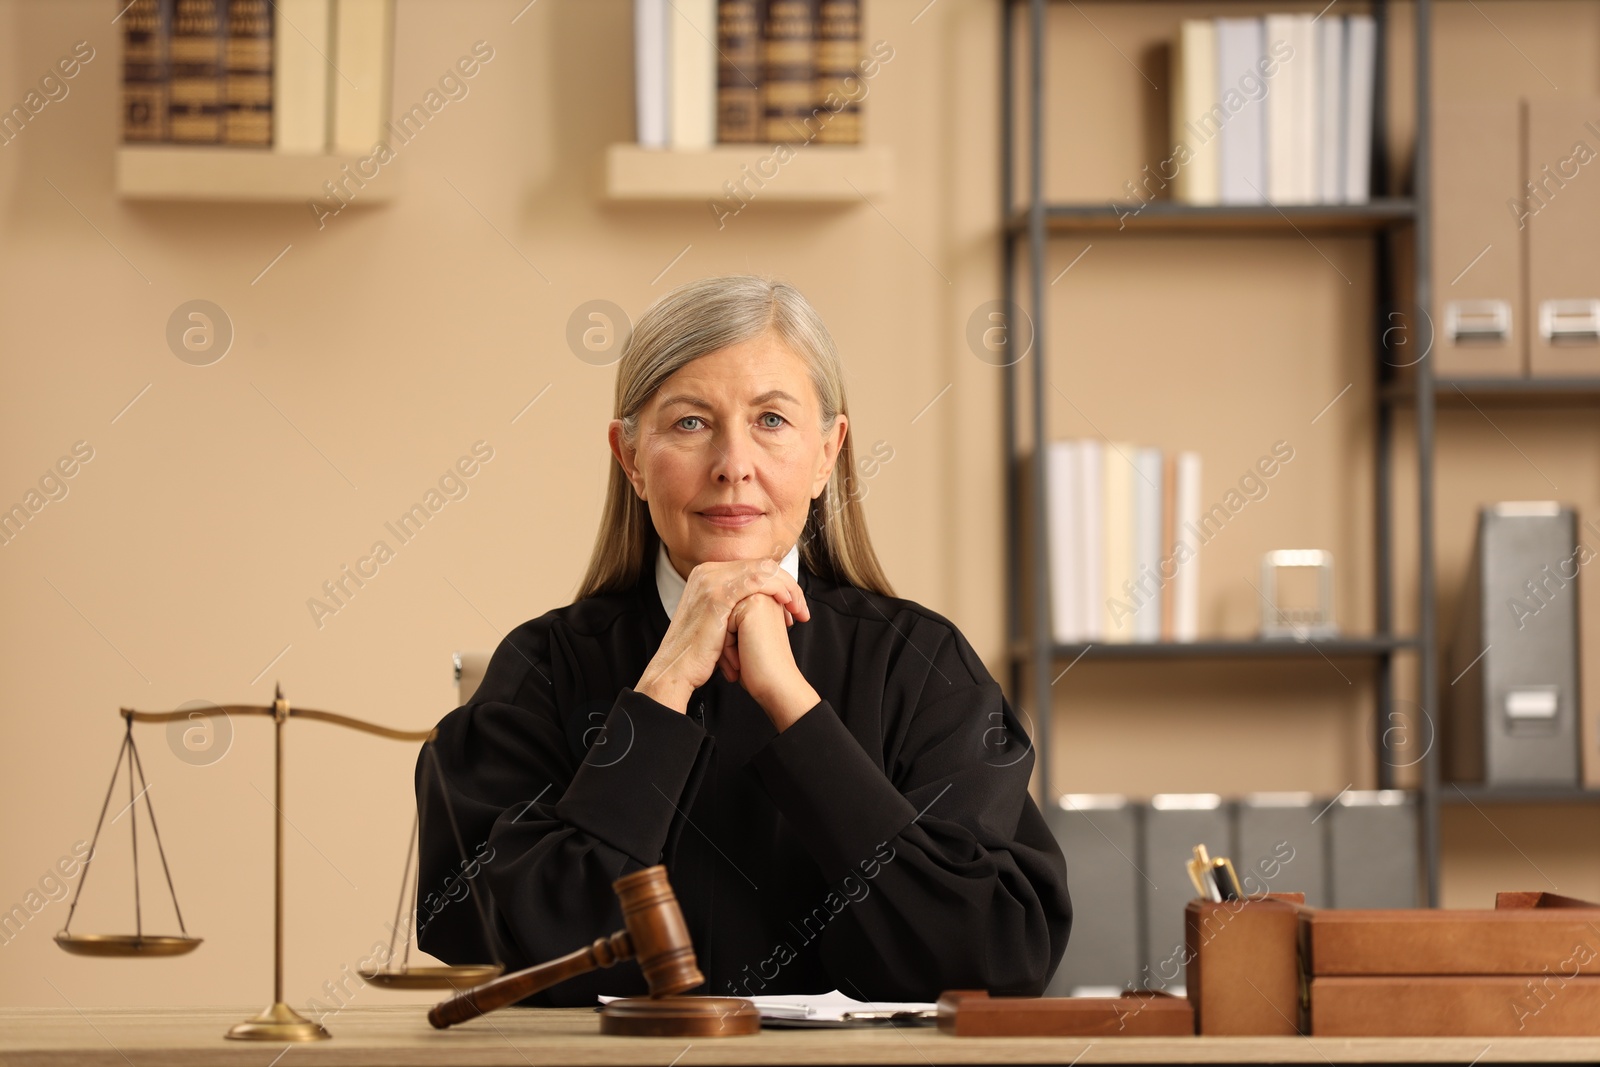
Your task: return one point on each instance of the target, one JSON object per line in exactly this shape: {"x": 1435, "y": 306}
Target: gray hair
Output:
{"x": 694, "y": 320}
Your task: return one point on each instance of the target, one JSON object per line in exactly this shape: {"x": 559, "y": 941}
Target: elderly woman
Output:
{"x": 836, "y": 785}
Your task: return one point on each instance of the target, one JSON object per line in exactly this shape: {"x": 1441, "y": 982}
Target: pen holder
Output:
{"x": 1243, "y": 973}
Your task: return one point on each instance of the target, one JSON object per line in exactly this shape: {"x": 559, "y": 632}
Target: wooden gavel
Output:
{"x": 655, "y": 934}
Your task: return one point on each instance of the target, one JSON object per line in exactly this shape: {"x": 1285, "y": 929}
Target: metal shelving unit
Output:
{"x": 1026, "y": 231}
{"x": 1028, "y": 228}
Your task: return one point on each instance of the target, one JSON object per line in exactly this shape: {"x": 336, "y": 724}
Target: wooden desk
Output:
{"x": 523, "y": 1037}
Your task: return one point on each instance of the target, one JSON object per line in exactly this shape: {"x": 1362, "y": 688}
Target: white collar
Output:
{"x": 671, "y": 585}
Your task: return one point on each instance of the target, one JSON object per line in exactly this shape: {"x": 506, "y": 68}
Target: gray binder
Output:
{"x": 1372, "y": 850}
{"x": 1514, "y": 664}
{"x": 1281, "y": 847}
{"x": 1098, "y": 834}
{"x": 1174, "y": 823}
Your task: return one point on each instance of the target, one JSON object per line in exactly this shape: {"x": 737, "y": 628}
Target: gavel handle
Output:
{"x": 510, "y": 988}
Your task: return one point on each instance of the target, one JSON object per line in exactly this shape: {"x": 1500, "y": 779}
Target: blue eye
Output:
{"x": 686, "y": 418}
{"x": 775, "y": 415}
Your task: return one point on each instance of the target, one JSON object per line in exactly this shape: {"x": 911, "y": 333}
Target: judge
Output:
{"x": 835, "y": 784}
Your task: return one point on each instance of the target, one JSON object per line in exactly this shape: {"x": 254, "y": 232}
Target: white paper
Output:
{"x": 821, "y": 1007}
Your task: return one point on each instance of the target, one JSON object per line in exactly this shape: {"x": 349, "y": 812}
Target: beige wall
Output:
{"x": 378, "y": 349}
{"x": 392, "y": 340}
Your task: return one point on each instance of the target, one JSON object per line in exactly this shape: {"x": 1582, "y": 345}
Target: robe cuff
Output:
{"x": 629, "y": 789}
{"x": 839, "y": 800}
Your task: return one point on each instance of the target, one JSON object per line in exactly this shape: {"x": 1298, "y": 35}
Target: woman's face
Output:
{"x": 735, "y": 430}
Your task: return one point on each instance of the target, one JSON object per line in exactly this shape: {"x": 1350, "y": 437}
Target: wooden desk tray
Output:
{"x": 974, "y": 1013}
{"x": 1524, "y": 934}
{"x": 1547, "y": 1005}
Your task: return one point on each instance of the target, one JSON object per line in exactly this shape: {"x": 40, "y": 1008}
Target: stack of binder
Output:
{"x": 1516, "y": 223}
{"x": 1098, "y": 834}
{"x": 1514, "y": 712}
{"x": 1356, "y": 850}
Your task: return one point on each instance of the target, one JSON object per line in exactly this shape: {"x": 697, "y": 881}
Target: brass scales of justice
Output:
{"x": 278, "y": 1022}
{"x": 655, "y": 934}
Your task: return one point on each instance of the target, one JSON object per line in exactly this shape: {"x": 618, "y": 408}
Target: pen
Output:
{"x": 1202, "y": 875}
{"x": 1227, "y": 880}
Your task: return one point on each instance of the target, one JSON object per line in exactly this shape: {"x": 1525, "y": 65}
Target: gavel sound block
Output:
{"x": 656, "y": 935}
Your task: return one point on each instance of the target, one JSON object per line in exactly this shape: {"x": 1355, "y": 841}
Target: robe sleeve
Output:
{"x": 548, "y": 825}
{"x": 944, "y": 872}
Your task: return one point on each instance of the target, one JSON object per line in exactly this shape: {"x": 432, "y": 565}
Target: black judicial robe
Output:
{"x": 885, "y": 844}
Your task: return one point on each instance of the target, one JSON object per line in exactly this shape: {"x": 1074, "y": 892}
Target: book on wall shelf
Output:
{"x": 731, "y": 94}
{"x": 256, "y": 74}
{"x": 255, "y": 100}
{"x": 731, "y": 72}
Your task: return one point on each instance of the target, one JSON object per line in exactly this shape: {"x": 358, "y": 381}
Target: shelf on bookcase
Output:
{"x": 1165, "y": 215}
{"x": 193, "y": 172}
{"x": 1331, "y": 648}
{"x": 1502, "y": 391}
{"x": 1451, "y": 793}
{"x": 811, "y": 173}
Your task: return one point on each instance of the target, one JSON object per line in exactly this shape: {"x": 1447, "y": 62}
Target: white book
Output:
{"x": 1360, "y": 69}
{"x": 1147, "y": 546}
{"x": 1091, "y": 538}
{"x": 1241, "y": 156}
{"x": 300, "y": 46}
{"x": 361, "y": 49}
{"x": 1062, "y": 521}
{"x": 1291, "y": 110}
{"x": 1197, "y": 115}
{"x": 1304, "y": 76}
{"x": 1330, "y": 109}
{"x": 1186, "y": 588}
{"x": 692, "y": 46}
{"x": 1281, "y": 110}
{"x": 652, "y": 95}
{"x": 1118, "y": 496}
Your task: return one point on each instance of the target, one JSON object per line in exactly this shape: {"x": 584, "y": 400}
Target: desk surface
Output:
{"x": 531, "y": 1037}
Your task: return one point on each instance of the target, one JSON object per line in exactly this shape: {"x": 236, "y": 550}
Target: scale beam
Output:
{"x": 297, "y": 713}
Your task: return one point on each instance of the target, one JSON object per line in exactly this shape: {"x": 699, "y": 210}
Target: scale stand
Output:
{"x": 277, "y": 1022}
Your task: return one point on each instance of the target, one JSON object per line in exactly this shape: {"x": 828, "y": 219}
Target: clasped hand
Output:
{"x": 734, "y": 616}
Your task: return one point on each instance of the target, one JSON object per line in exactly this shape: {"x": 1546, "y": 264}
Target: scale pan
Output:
{"x": 469, "y": 974}
{"x": 127, "y": 944}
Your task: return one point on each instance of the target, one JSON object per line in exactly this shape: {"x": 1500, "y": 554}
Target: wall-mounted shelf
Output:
{"x": 1162, "y": 215}
{"x": 813, "y": 173}
{"x": 183, "y": 172}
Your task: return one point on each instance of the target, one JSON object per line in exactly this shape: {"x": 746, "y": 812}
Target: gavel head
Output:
{"x": 659, "y": 934}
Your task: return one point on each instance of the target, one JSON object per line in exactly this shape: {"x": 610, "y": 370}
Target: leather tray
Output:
{"x": 974, "y": 1013}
